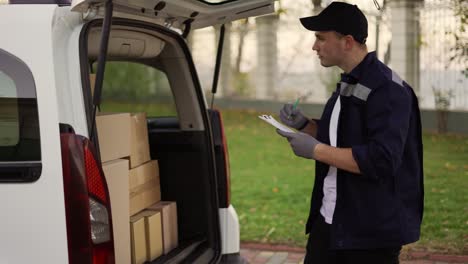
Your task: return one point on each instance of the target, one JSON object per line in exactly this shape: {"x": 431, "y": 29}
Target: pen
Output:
{"x": 294, "y": 107}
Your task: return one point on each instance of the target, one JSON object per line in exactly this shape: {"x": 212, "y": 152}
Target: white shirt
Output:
{"x": 329, "y": 184}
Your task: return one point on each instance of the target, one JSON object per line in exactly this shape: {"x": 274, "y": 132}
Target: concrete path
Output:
{"x": 278, "y": 254}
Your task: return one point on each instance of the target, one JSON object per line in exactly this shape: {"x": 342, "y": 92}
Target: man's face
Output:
{"x": 329, "y": 47}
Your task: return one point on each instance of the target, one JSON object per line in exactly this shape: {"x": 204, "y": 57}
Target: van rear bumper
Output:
{"x": 230, "y": 233}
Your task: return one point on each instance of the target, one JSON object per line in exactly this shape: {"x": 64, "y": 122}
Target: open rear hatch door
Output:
{"x": 179, "y": 13}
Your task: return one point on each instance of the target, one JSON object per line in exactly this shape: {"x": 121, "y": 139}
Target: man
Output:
{"x": 367, "y": 199}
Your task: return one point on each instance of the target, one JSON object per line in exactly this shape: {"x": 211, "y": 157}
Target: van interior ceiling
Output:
{"x": 180, "y": 144}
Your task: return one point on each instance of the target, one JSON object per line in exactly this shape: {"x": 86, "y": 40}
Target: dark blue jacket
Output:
{"x": 380, "y": 121}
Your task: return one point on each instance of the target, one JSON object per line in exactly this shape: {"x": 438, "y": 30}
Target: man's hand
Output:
{"x": 302, "y": 144}
{"x": 293, "y": 117}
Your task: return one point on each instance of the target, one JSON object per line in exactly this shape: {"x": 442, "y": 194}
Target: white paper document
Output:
{"x": 272, "y": 121}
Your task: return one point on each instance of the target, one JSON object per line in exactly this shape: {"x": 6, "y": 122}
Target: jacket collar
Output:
{"x": 356, "y": 74}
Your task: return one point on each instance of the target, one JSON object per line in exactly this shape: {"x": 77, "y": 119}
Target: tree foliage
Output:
{"x": 126, "y": 80}
{"x": 460, "y": 49}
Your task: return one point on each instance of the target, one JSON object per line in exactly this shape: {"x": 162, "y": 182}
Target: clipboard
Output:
{"x": 272, "y": 121}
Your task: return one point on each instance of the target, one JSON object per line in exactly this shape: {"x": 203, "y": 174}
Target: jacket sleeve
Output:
{"x": 317, "y": 121}
{"x": 387, "y": 119}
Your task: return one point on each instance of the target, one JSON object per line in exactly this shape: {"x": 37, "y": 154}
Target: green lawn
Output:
{"x": 271, "y": 187}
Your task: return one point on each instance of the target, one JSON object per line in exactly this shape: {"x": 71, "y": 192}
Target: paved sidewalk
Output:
{"x": 279, "y": 254}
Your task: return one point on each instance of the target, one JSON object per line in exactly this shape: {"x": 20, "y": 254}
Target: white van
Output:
{"x": 50, "y": 168}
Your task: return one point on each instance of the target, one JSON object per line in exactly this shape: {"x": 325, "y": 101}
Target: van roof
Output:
{"x": 36, "y": 2}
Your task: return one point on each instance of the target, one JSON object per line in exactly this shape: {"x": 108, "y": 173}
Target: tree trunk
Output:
{"x": 243, "y": 30}
{"x": 317, "y": 6}
{"x": 442, "y": 120}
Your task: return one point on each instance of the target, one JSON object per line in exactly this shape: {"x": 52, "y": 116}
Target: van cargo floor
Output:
{"x": 178, "y": 255}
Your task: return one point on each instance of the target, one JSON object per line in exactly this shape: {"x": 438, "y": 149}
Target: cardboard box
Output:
{"x": 169, "y": 224}
{"x": 114, "y": 135}
{"x": 139, "y": 145}
{"x": 154, "y": 239}
{"x": 116, "y": 173}
{"x": 142, "y": 200}
{"x": 144, "y": 186}
{"x": 143, "y": 174}
{"x": 138, "y": 239}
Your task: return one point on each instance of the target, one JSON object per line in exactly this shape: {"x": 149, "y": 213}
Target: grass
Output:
{"x": 445, "y": 226}
{"x": 271, "y": 187}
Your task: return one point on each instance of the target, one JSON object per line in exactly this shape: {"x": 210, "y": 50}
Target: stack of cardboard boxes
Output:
{"x": 144, "y": 226}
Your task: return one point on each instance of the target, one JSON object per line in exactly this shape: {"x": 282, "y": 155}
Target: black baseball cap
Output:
{"x": 341, "y": 17}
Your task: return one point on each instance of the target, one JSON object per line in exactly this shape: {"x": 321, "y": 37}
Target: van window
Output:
{"x": 135, "y": 87}
{"x": 19, "y": 124}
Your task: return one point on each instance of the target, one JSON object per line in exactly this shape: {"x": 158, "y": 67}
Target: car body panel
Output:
{"x": 33, "y": 228}
{"x": 66, "y": 33}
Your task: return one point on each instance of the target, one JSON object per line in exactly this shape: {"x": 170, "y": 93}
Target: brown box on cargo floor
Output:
{"x": 116, "y": 173}
{"x": 169, "y": 223}
{"x": 144, "y": 186}
{"x": 139, "y": 145}
{"x": 114, "y": 135}
{"x": 154, "y": 239}
{"x": 138, "y": 239}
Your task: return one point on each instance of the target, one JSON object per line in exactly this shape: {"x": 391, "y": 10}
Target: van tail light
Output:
{"x": 87, "y": 203}
{"x": 223, "y": 169}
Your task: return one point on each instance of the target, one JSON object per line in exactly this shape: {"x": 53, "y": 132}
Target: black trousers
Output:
{"x": 318, "y": 250}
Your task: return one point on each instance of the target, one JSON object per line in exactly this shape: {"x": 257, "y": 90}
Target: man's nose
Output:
{"x": 315, "y": 46}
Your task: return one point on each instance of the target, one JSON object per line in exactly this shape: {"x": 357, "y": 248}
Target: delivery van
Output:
{"x": 67, "y": 167}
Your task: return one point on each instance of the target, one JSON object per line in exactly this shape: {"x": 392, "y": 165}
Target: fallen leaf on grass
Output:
{"x": 449, "y": 166}
{"x": 265, "y": 238}
{"x": 275, "y": 190}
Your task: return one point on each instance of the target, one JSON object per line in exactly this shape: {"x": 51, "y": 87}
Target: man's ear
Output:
{"x": 349, "y": 42}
